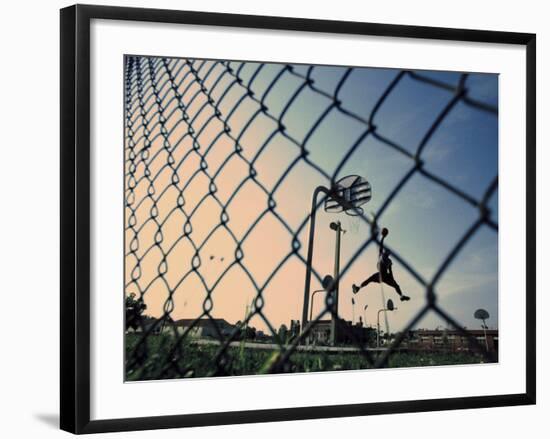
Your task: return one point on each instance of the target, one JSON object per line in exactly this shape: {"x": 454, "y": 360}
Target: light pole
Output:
{"x": 311, "y": 307}
{"x": 337, "y": 227}
{"x": 483, "y": 315}
{"x": 326, "y": 282}
{"x": 365, "y": 315}
{"x": 352, "y": 310}
{"x": 389, "y": 307}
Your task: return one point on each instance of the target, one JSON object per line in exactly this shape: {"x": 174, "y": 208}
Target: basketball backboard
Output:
{"x": 349, "y": 192}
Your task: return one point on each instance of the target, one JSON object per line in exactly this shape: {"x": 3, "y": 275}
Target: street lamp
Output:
{"x": 389, "y": 307}
{"x": 326, "y": 282}
{"x": 483, "y": 315}
{"x": 365, "y": 314}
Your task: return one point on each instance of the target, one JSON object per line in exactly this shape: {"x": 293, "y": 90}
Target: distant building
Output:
{"x": 347, "y": 333}
{"x": 202, "y": 328}
{"x": 320, "y": 333}
{"x": 453, "y": 340}
{"x": 145, "y": 324}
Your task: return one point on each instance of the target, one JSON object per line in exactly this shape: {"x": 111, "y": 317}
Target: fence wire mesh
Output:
{"x": 188, "y": 123}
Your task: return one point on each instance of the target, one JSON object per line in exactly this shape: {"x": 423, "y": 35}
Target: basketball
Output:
{"x": 385, "y": 232}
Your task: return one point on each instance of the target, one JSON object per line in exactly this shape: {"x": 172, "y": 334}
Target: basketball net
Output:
{"x": 354, "y": 221}
{"x": 353, "y": 224}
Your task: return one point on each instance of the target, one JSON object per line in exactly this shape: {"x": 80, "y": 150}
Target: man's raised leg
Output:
{"x": 389, "y": 280}
{"x": 374, "y": 278}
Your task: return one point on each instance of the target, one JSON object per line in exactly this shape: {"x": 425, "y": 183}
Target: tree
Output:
{"x": 244, "y": 332}
{"x": 250, "y": 333}
{"x": 134, "y": 311}
{"x": 282, "y": 333}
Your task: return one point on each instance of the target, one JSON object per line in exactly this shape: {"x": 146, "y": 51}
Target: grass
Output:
{"x": 157, "y": 359}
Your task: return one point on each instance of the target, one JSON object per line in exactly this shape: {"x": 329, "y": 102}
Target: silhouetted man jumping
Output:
{"x": 385, "y": 273}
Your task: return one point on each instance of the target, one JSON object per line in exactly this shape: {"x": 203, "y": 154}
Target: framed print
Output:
{"x": 277, "y": 217}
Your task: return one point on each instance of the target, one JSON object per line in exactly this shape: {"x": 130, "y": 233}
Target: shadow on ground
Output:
{"x": 50, "y": 419}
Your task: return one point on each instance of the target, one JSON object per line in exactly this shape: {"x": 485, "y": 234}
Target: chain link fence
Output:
{"x": 189, "y": 123}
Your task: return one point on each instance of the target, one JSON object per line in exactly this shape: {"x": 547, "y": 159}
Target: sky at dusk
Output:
{"x": 229, "y": 167}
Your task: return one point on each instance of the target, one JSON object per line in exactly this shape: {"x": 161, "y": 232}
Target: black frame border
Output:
{"x": 75, "y": 217}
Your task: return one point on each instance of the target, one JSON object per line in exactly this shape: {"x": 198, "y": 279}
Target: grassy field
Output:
{"x": 200, "y": 360}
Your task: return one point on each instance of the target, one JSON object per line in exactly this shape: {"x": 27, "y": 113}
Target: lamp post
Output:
{"x": 483, "y": 315}
{"x": 326, "y": 282}
{"x": 365, "y": 315}
{"x": 337, "y": 227}
{"x": 311, "y": 307}
{"x": 389, "y": 307}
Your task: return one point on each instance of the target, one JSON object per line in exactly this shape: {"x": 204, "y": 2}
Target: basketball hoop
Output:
{"x": 348, "y": 194}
